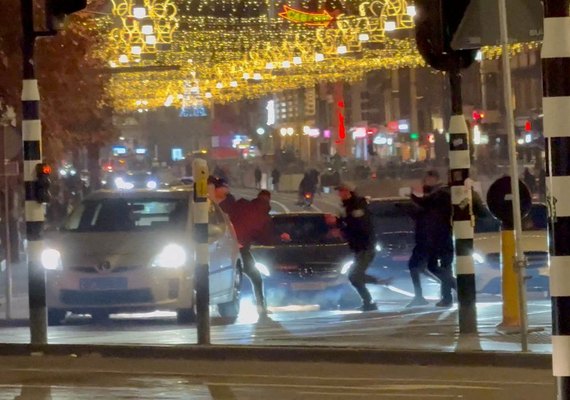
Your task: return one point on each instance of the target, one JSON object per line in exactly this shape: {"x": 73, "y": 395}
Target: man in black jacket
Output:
{"x": 356, "y": 226}
{"x": 434, "y": 240}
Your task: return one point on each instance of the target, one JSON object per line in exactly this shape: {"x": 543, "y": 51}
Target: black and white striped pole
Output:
{"x": 34, "y": 211}
{"x": 556, "y": 108}
{"x": 201, "y": 272}
{"x": 461, "y": 199}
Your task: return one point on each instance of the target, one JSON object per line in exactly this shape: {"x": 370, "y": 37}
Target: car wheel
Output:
{"x": 55, "y": 316}
{"x": 186, "y": 316}
{"x": 100, "y": 317}
{"x": 230, "y": 310}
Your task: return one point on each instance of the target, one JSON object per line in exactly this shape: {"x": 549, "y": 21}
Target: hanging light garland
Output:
{"x": 231, "y": 50}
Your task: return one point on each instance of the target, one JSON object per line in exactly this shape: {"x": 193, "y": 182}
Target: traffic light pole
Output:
{"x": 34, "y": 211}
{"x": 556, "y": 108}
{"x": 462, "y": 200}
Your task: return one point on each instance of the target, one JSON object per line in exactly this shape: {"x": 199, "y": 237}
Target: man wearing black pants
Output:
{"x": 356, "y": 226}
{"x": 434, "y": 240}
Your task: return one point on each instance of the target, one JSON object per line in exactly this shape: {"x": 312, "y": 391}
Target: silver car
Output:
{"x": 132, "y": 251}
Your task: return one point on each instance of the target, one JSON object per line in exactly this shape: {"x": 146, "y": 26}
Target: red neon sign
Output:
{"x": 322, "y": 18}
{"x": 341, "y": 126}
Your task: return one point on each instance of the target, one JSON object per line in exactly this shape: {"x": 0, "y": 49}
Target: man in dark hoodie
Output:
{"x": 356, "y": 226}
{"x": 434, "y": 240}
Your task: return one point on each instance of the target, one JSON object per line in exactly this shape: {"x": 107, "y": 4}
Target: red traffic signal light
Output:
{"x": 42, "y": 183}
{"x": 528, "y": 126}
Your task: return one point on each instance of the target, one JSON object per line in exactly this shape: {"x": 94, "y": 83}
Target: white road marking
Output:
{"x": 283, "y": 206}
{"x": 380, "y": 395}
{"x": 432, "y": 381}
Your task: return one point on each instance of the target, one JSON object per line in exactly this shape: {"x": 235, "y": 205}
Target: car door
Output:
{"x": 216, "y": 231}
{"x": 226, "y": 253}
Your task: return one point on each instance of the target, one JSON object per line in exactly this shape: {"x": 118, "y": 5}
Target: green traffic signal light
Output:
{"x": 414, "y": 136}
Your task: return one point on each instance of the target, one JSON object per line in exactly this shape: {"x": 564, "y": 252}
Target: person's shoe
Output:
{"x": 417, "y": 302}
{"x": 368, "y": 307}
{"x": 445, "y": 303}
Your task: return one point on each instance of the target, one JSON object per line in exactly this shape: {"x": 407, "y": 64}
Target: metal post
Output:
{"x": 7, "y": 243}
{"x": 201, "y": 274}
{"x": 461, "y": 198}
{"x": 519, "y": 261}
{"x": 32, "y": 145}
{"x": 556, "y": 108}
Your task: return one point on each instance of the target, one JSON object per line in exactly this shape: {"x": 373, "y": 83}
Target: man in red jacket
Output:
{"x": 252, "y": 223}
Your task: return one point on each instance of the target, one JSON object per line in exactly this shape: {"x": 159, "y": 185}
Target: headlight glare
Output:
{"x": 172, "y": 256}
{"x": 51, "y": 259}
{"x": 151, "y": 185}
{"x": 346, "y": 267}
{"x": 262, "y": 268}
{"x": 478, "y": 258}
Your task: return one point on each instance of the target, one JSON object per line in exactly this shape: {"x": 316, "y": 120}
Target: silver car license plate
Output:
{"x": 106, "y": 283}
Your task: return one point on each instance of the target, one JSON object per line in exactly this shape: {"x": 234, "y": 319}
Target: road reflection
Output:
{"x": 34, "y": 393}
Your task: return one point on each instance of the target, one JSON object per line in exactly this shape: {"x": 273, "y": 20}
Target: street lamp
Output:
{"x": 260, "y": 131}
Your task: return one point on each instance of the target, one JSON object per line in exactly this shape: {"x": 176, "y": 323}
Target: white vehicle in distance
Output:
{"x": 131, "y": 251}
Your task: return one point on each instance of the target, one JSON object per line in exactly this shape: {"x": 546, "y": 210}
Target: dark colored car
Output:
{"x": 310, "y": 268}
{"x": 395, "y": 233}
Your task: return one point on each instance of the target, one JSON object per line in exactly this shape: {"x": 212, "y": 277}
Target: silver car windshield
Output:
{"x": 124, "y": 214}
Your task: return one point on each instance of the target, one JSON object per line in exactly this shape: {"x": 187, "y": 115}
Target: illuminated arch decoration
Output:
{"x": 136, "y": 38}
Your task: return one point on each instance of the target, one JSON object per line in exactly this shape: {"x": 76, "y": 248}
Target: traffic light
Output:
{"x": 42, "y": 183}
{"x": 58, "y": 10}
{"x": 436, "y": 22}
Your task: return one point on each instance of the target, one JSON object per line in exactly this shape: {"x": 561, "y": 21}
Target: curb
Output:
{"x": 289, "y": 354}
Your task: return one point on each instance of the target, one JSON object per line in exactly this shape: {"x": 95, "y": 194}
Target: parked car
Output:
{"x": 311, "y": 267}
{"x": 395, "y": 234}
{"x": 130, "y": 251}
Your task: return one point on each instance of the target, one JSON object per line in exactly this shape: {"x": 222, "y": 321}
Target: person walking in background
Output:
{"x": 356, "y": 226}
{"x": 257, "y": 175}
{"x": 219, "y": 193}
{"x": 530, "y": 180}
{"x": 434, "y": 240}
{"x": 275, "y": 178}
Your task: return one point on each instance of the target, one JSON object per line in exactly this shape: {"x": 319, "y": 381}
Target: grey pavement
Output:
{"x": 65, "y": 378}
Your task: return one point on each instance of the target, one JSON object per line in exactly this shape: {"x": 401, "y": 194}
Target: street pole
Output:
{"x": 6, "y": 243}
{"x": 519, "y": 262}
{"x": 556, "y": 108}
{"x": 32, "y": 147}
{"x": 461, "y": 199}
{"x": 201, "y": 272}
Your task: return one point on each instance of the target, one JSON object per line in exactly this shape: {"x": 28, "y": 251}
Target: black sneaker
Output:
{"x": 368, "y": 307}
{"x": 417, "y": 302}
{"x": 444, "y": 303}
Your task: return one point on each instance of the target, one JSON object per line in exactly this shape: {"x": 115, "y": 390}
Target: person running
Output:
{"x": 356, "y": 226}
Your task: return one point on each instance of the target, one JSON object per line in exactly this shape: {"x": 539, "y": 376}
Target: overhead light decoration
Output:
{"x": 222, "y": 49}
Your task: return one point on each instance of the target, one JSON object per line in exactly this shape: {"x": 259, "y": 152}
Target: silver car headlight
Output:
{"x": 172, "y": 256}
{"x": 51, "y": 259}
{"x": 478, "y": 258}
{"x": 151, "y": 185}
{"x": 346, "y": 267}
{"x": 262, "y": 268}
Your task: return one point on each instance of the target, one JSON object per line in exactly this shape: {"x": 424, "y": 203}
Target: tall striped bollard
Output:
{"x": 34, "y": 211}
{"x": 461, "y": 199}
{"x": 556, "y": 108}
{"x": 201, "y": 272}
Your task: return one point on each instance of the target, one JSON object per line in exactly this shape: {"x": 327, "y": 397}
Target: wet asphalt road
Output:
{"x": 92, "y": 379}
